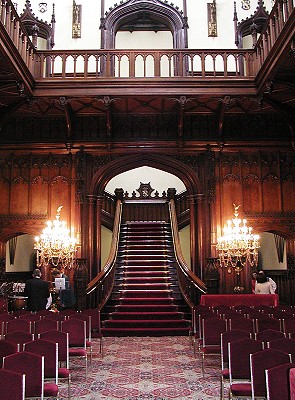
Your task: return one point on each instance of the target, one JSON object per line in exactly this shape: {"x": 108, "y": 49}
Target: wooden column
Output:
{"x": 98, "y": 233}
{"x": 193, "y": 235}
{"x": 201, "y": 234}
{"x": 80, "y": 283}
{"x": 91, "y": 256}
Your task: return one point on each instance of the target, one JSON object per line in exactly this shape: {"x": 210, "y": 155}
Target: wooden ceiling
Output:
{"x": 182, "y": 101}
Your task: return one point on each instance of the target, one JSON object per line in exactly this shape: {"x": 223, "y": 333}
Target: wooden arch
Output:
{"x": 185, "y": 173}
{"x": 130, "y": 13}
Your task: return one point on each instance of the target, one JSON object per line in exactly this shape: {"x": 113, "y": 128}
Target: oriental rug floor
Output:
{"x": 145, "y": 368}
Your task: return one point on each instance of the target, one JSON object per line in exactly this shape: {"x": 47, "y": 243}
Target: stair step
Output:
{"x": 144, "y": 273}
{"x": 147, "y": 280}
{"x": 145, "y": 300}
{"x": 146, "y": 293}
{"x": 142, "y": 269}
{"x": 145, "y": 332}
{"x": 163, "y": 323}
{"x": 145, "y": 308}
{"x": 144, "y": 263}
{"x": 133, "y": 315}
{"x": 145, "y": 286}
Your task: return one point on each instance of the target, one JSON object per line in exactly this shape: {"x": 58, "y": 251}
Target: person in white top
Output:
{"x": 263, "y": 285}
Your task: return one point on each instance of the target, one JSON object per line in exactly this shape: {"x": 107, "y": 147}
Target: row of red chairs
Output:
{"x": 53, "y": 347}
{"x": 71, "y": 343}
{"x": 214, "y": 333}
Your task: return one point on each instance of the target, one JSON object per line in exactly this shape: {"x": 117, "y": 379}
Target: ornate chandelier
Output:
{"x": 238, "y": 245}
{"x": 55, "y": 246}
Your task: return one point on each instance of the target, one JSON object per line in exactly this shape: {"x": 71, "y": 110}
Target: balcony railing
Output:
{"x": 95, "y": 64}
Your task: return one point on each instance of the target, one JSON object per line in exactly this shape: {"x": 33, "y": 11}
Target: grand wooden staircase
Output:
{"x": 146, "y": 299}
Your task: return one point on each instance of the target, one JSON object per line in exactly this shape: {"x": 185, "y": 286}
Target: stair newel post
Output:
{"x": 80, "y": 283}
{"x": 98, "y": 232}
{"x": 91, "y": 247}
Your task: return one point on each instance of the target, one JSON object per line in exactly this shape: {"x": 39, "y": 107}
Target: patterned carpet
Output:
{"x": 145, "y": 368}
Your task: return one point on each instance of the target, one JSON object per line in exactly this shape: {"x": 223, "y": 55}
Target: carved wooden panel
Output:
{"x": 288, "y": 194}
{"x": 271, "y": 193}
{"x": 251, "y": 193}
{"x": 4, "y": 203}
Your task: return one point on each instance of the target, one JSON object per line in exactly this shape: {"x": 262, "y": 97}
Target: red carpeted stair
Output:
{"x": 146, "y": 299}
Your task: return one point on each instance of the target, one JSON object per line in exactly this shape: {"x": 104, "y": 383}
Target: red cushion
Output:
{"x": 50, "y": 390}
{"x": 77, "y": 352}
{"x": 225, "y": 373}
{"x": 63, "y": 373}
{"x": 241, "y": 389}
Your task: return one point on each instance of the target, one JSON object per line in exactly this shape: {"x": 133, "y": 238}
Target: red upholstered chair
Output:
{"x": 87, "y": 319}
{"x": 44, "y": 313}
{"x": 18, "y": 325}
{"x": 7, "y": 348}
{"x": 32, "y": 365}
{"x": 242, "y": 323}
{"x": 30, "y": 317}
{"x": 212, "y": 329}
{"x": 267, "y": 310}
{"x": 199, "y": 314}
{"x": 278, "y": 382}
{"x": 49, "y": 350}
{"x": 95, "y": 325}
{"x": 268, "y": 335}
{"x": 3, "y": 319}
{"x": 285, "y": 344}
{"x": 239, "y": 366}
{"x": 20, "y": 312}
{"x": 77, "y": 339}
{"x": 15, "y": 391}
{"x": 19, "y": 337}
{"x": 67, "y": 312}
{"x": 263, "y": 323}
{"x": 62, "y": 339}
{"x": 292, "y": 383}
{"x": 226, "y": 338}
{"x": 45, "y": 324}
{"x": 242, "y": 309}
{"x": 259, "y": 363}
{"x": 289, "y": 325}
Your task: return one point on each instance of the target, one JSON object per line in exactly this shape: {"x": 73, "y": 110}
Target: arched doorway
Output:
{"x": 197, "y": 216}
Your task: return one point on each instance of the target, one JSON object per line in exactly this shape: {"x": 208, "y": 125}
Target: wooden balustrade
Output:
{"x": 176, "y": 63}
{"x": 17, "y": 33}
{"x": 100, "y": 288}
{"x": 69, "y": 64}
{"x": 190, "y": 285}
{"x": 277, "y": 20}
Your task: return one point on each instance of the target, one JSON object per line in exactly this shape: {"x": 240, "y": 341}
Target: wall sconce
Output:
{"x": 212, "y": 21}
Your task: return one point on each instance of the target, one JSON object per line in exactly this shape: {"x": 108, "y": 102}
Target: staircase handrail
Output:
{"x": 190, "y": 285}
{"x": 103, "y": 283}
